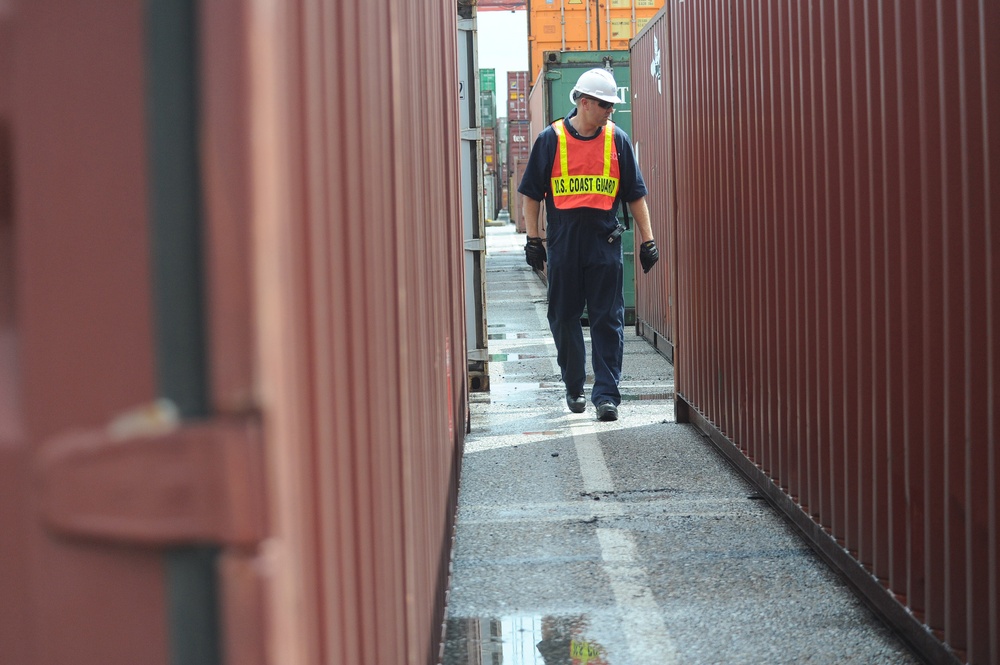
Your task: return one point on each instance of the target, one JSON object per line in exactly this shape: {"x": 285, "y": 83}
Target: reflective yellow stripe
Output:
{"x": 609, "y": 143}
{"x": 584, "y": 184}
{"x": 563, "y": 152}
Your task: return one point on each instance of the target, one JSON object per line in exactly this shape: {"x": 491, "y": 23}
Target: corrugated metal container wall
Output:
{"x": 76, "y": 330}
{"x": 473, "y": 213}
{"x": 325, "y": 299}
{"x": 358, "y": 243}
{"x": 487, "y": 108}
{"x": 518, "y": 141}
{"x": 518, "y": 87}
{"x": 536, "y": 109}
{"x": 584, "y": 25}
{"x": 501, "y": 148}
{"x": 489, "y": 197}
{"x": 491, "y": 166}
{"x": 518, "y": 150}
{"x": 504, "y": 170}
{"x": 536, "y": 123}
{"x": 487, "y": 79}
{"x": 837, "y": 285}
{"x": 516, "y": 201}
{"x": 489, "y": 149}
{"x": 13, "y": 588}
{"x": 655, "y": 294}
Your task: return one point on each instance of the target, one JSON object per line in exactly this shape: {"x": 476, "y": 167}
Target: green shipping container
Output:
{"x": 487, "y": 109}
{"x": 488, "y": 80}
{"x": 560, "y": 70}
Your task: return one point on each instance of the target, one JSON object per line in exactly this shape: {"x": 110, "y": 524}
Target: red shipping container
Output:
{"x": 489, "y": 150}
{"x": 652, "y": 116}
{"x": 205, "y": 253}
{"x": 518, "y": 87}
{"x": 519, "y": 141}
{"x": 831, "y": 168}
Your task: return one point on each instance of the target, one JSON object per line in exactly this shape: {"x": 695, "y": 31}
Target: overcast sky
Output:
{"x": 503, "y": 45}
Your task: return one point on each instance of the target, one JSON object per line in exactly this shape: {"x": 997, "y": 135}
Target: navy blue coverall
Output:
{"x": 584, "y": 269}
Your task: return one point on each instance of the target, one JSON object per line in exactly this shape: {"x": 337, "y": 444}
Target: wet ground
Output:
{"x": 624, "y": 543}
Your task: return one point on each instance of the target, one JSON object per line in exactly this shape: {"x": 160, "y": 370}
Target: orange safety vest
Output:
{"x": 585, "y": 173}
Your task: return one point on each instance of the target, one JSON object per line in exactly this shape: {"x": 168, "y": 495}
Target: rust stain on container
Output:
{"x": 829, "y": 172}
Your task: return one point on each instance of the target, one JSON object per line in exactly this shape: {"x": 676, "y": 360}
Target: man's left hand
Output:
{"x": 648, "y": 255}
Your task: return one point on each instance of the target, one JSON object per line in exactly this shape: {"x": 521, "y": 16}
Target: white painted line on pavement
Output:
{"x": 593, "y": 468}
{"x": 642, "y": 621}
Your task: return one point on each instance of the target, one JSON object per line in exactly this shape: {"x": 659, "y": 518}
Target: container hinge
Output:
{"x": 197, "y": 482}
{"x": 473, "y": 134}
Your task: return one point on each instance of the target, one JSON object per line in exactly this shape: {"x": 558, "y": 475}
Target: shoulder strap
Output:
{"x": 619, "y": 147}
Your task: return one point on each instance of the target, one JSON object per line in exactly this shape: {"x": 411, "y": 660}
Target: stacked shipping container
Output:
{"x": 491, "y": 192}
{"x": 489, "y": 150}
{"x": 519, "y": 141}
{"x": 487, "y": 108}
{"x": 503, "y": 170}
{"x": 584, "y": 25}
{"x": 487, "y": 96}
{"x": 826, "y": 173}
{"x": 518, "y": 138}
{"x": 518, "y": 87}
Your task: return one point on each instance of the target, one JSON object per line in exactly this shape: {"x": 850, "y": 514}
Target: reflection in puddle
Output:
{"x": 508, "y": 357}
{"x": 531, "y": 393}
{"x": 522, "y": 640}
{"x": 521, "y": 335}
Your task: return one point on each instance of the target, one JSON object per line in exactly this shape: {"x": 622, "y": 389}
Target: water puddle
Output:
{"x": 520, "y": 335}
{"x": 505, "y": 357}
{"x": 523, "y": 640}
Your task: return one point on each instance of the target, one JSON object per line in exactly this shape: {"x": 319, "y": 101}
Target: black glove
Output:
{"x": 534, "y": 253}
{"x": 648, "y": 255}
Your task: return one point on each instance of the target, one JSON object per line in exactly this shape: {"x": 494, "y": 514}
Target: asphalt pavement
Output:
{"x": 622, "y": 543}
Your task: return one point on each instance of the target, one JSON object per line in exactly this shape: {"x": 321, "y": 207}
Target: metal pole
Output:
{"x": 562, "y": 16}
{"x": 588, "y": 25}
{"x": 607, "y": 14}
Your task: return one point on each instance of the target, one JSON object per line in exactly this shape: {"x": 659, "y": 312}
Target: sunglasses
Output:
{"x": 600, "y": 102}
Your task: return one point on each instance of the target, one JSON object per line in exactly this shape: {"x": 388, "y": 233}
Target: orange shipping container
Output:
{"x": 584, "y": 25}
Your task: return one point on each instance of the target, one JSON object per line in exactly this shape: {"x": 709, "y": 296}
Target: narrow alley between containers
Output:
{"x": 621, "y": 543}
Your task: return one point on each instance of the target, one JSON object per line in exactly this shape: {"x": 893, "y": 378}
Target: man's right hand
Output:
{"x": 534, "y": 253}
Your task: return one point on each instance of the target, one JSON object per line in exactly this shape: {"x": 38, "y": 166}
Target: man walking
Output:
{"x": 582, "y": 166}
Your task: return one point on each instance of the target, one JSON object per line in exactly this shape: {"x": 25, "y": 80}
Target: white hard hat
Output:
{"x": 598, "y": 83}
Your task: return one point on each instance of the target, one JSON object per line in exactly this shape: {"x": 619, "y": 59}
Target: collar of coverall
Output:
{"x": 572, "y": 130}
